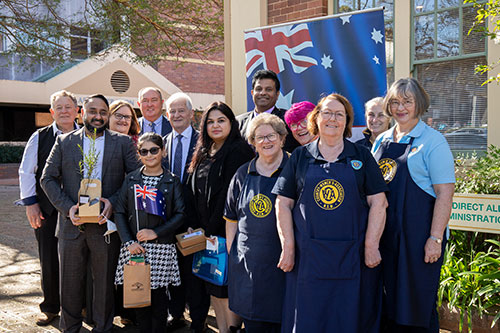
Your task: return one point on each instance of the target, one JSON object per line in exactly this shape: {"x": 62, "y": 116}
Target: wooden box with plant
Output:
{"x": 470, "y": 276}
{"x": 89, "y": 195}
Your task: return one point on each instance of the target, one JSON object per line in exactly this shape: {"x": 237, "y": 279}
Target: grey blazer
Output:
{"x": 61, "y": 177}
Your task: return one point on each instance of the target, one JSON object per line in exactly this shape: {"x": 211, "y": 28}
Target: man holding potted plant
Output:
{"x": 107, "y": 156}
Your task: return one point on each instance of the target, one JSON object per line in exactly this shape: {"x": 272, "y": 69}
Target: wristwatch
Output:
{"x": 437, "y": 240}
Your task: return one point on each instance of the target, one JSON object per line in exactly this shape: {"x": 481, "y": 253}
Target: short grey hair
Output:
{"x": 179, "y": 95}
{"x": 374, "y": 101}
{"x": 141, "y": 92}
{"x": 266, "y": 119}
{"x": 62, "y": 93}
{"x": 406, "y": 88}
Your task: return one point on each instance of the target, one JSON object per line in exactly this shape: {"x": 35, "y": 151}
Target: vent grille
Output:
{"x": 120, "y": 81}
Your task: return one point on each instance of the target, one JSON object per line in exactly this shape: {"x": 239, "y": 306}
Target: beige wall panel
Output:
{"x": 493, "y": 94}
{"x": 243, "y": 14}
{"x": 22, "y": 92}
{"x": 402, "y": 38}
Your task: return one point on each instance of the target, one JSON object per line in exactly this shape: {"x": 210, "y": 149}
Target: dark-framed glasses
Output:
{"x": 407, "y": 103}
{"x": 153, "y": 151}
{"x": 120, "y": 116}
{"x": 270, "y": 137}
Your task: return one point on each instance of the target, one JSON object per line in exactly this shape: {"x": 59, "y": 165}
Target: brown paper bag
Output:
{"x": 136, "y": 286}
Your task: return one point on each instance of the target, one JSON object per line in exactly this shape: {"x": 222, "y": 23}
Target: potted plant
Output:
{"x": 89, "y": 194}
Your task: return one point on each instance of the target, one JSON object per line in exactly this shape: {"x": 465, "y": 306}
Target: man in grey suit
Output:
{"x": 81, "y": 243}
{"x": 179, "y": 145}
{"x": 151, "y": 103}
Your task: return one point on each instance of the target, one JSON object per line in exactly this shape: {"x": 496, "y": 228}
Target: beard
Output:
{"x": 91, "y": 128}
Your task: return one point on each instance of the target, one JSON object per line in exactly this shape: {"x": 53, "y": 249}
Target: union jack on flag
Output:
{"x": 272, "y": 47}
{"x": 150, "y": 200}
{"x": 342, "y": 53}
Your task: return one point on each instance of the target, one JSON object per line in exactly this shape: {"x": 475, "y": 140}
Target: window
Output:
{"x": 444, "y": 57}
{"x": 343, "y": 6}
{"x": 85, "y": 43}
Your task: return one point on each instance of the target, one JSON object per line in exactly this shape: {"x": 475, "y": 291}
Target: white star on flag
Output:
{"x": 345, "y": 19}
{"x": 326, "y": 62}
{"x": 376, "y": 59}
{"x": 285, "y": 102}
{"x": 377, "y": 36}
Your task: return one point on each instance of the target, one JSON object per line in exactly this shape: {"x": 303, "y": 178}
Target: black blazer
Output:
{"x": 245, "y": 119}
{"x": 167, "y": 161}
{"x": 166, "y": 128}
{"x": 221, "y": 172}
{"x": 125, "y": 216}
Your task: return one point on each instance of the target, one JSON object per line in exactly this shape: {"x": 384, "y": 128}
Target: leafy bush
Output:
{"x": 470, "y": 276}
{"x": 11, "y": 154}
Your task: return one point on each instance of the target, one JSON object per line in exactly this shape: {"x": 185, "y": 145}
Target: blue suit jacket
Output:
{"x": 166, "y": 128}
{"x": 167, "y": 161}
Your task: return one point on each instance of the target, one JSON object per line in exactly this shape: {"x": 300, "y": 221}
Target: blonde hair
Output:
{"x": 266, "y": 119}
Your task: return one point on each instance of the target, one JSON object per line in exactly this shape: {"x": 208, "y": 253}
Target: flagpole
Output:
{"x": 136, "y": 212}
{"x": 315, "y": 19}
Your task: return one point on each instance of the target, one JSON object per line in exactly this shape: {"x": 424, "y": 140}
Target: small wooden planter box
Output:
{"x": 449, "y": 320}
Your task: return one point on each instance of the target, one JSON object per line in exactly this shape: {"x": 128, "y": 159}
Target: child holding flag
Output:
{"x": 149, "y": 209}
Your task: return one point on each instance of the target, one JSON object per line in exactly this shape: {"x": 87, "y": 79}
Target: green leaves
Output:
{"x": 479, "y": 175}
{"x": 88, "y": 163}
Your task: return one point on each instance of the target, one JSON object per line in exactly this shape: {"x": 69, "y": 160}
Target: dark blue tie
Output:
{"x": 153, "y": 126}
{"x": 178, "y": 157}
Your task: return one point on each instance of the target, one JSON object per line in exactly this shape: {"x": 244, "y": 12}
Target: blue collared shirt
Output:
{"x": 430, "y": 160}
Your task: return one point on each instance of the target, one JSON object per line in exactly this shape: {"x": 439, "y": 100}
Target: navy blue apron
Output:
{"x": 256, "y": 284}
{"x": 324, "y": 290}
{"x": 410, "y": 284}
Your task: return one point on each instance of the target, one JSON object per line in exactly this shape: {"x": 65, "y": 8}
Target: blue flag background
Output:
{"x": 349, "y": 52}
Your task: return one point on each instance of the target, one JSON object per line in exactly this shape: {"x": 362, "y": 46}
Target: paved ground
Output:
{"x": 20, "y": 270}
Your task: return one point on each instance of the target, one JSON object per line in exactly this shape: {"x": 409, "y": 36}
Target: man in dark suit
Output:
{"x": 151, "y": 103}
{"x": 265, "y": 92}
{"x": 41, "y": 214}
{"x": 81, "y": 243}
{"x": 179, "y": 145}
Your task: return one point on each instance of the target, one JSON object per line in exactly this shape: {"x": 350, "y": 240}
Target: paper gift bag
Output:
{"x": 136, "y": 286}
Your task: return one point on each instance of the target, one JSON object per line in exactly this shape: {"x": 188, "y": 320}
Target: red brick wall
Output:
{"x": 279, "y": 11}
{"x": 194, "y": 77}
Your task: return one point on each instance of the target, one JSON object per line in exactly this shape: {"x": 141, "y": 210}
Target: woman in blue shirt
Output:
{"x": 417, "y": 164}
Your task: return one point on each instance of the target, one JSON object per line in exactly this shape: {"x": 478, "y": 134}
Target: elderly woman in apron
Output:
{"x": 330, "y": 215}
{"x": 417, "y": 165}
{"x": 256, "y": 284}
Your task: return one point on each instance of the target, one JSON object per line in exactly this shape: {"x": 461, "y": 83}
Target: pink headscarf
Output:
{"x": 298, "y": 111}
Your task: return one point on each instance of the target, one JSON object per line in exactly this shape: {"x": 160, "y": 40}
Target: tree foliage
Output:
{"x": 487, "y": 11}
{"x": 58, "y": 30}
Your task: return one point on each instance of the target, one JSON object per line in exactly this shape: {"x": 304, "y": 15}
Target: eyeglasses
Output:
{"x": 153, "y": 151}
{"x": 408, "y": 103}
{"x": 120, "y": 116}
{"x": 300, "y": 124}
{"x": 327, "y": 115}
{"x": 270, "y": 137}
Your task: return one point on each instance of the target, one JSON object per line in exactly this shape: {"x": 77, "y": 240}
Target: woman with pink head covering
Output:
{"x": 296, "y": 119}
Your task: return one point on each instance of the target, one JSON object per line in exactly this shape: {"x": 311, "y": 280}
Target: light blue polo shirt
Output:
{"x": 430, "y": 160}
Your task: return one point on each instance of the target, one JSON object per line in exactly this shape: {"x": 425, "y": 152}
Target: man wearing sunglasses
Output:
{"x": 82, "y": 243}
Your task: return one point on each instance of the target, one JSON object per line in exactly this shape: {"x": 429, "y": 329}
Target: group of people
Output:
{"x": 322, "y": 234}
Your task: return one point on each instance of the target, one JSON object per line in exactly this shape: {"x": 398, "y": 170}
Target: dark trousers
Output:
{"x": 153, "y": 319}
{"x": 253, "y": 326}
{"x": 74, "y": 254}
{"x": 177, "y": 301}
{"x": 195, "y": 295}
{"x": 49, "y": 263}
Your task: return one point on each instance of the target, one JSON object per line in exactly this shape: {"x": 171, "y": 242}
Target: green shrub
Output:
{"x": 470, "y": 276}
{"x": 11, "y": 154}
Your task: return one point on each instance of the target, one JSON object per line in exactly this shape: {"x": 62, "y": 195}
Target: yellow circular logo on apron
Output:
{"x": 329, "y": 194}
{"x": 260, "y": 206}
{"x": 388, "y": 167}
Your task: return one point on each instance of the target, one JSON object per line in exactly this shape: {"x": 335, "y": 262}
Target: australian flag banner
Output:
{"x": 343, "y": 54}
{"x": 150, "y": 200}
